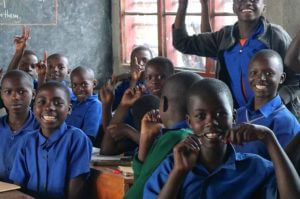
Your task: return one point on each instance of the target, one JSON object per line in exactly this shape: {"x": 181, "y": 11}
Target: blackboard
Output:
{"x": 79, "y": 29}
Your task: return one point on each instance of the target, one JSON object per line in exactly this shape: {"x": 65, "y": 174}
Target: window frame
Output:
{"x": 162, "y": 13}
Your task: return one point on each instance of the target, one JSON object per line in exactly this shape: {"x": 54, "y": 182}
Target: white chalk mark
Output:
{"x": 4, "y": 4}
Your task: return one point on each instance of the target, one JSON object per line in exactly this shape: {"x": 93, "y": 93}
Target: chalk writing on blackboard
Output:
{"x": 28, "y": 12}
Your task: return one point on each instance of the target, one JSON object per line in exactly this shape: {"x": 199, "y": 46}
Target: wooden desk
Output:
{"x": 15, "y": 194}
{"x": 107, "y": 185}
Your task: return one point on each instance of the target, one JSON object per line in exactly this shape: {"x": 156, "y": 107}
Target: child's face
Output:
{"x": 155, "y": 77}
{"x": 51, "y": 108}
{"x": 16, "y": 95}
{"x": 210, "y": 117}
{"x": 142, "y": 57}
{"x": 248, "y": 10}
{"x": 57, "y": 68}
{"x": 82, "y": 85}
{"x": 264, "y": 77}
{"x": 27, "y": 64}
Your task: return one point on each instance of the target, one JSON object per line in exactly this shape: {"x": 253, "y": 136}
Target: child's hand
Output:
{"x": 41, "y": 66}
{"x": 138, "y": 69}
{"x": 131, "y": 95}
{"x": 186, "y": 154}
{"x": 106, "y": 93}
{"x": 246, "y": 133}
{"x": 151, "y": 124}
{"x": 119, "y": 131}
{"x": 20, "y": 41}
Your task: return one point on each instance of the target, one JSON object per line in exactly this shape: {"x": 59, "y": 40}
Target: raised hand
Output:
{"x": 137, "y": 69}
{"x": 21, "y": 41}
{"x": 131, "y": 95}
{"x": 247, "y": 132}
{"x": 41, "y": 66}
{"x": 106, "y": 93}
{"x": 186, "y": 154}
{"x": 151, "y": 124}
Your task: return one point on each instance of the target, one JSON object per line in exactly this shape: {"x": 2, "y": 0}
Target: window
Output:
{"x": 150, "y": 23}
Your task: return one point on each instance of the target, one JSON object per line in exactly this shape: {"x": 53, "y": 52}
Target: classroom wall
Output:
{"x": 283, "y": 12}
{"x": 286, "y": 13}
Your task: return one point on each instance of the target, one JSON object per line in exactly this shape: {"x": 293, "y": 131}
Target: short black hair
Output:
{"x": 143, "y": 105}
{"x": 19, "y": 74}
{"x": 29, "y": 52}
{"x": 268, "y": 54}
{"x": 175, "y": 90}
{"x": 81, "y": 69}
{"x": 140, "y": 48}
{"x": 162, "y": 62}
{"x": 209, "y": 87}
{"x": 55, "y": 84}
{"x": 56, "y": 56}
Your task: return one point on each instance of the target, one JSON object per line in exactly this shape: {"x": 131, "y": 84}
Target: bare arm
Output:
{"x": 150, "y": 128}
{"x": 288, "y": 182}
{"x": 113, "y": 140}
{"x": 41, "y": 68}
{"x": 205, "y": 19}
{"x": 181, "y": 13}
{"x": 185, "y": 158}
{"x": 292, "y": 58}
{"x": 76, "y": 187}
{"x": 20, "y": 42}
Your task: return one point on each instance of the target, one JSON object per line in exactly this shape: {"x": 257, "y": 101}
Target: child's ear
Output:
{"x": 33, "y": 94}
{"x": 234, "y": 116}
{"x": 282, "y": 78}
{"x": 69, "y": 71}
{"x": 165, "y": 103}
{"x": 95, "y": 82}
{"x": 70, "y": 109}
{"x": 188, "y": 119}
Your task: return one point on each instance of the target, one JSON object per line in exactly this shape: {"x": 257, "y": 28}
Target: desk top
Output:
{"x": 14, "y": 195}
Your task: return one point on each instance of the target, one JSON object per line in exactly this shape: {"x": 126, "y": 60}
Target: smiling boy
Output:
{"x": 54, "y": 160}
{"x": 266, "y": 108}
{"x": 204, "y": 165}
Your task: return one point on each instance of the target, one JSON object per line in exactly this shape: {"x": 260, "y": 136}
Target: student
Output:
{"x": 17, "y": 93}
{"x": 205, "y": 166}
{"x": 233, "y": 46}
{"x": 160, "y": 133}
{"x": 86, "y": 108}
{"x": 157, "y": 70}
{"x": 140, "y": 55}
{"x": 266, "y": 108}
{"x": 54, "y": 68}
{"x": 54, "y": 161}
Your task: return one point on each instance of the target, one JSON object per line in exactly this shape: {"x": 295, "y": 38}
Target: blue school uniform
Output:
{"x": 11, "y": 142}
{"x": 233, "y": 179}
{"x": 120, "y": 90}
{"x": 273, "y": 115}
{"x": 45, "y": 166}
{"x": 86, "y": 115}
{"x": 237, "y": 60}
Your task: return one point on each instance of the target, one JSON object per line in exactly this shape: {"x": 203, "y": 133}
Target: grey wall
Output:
{"x": 285, "y": 13}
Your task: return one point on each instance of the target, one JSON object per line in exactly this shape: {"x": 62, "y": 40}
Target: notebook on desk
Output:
{"x": 8, "y": 187}
{"x": 114, "y": 160}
